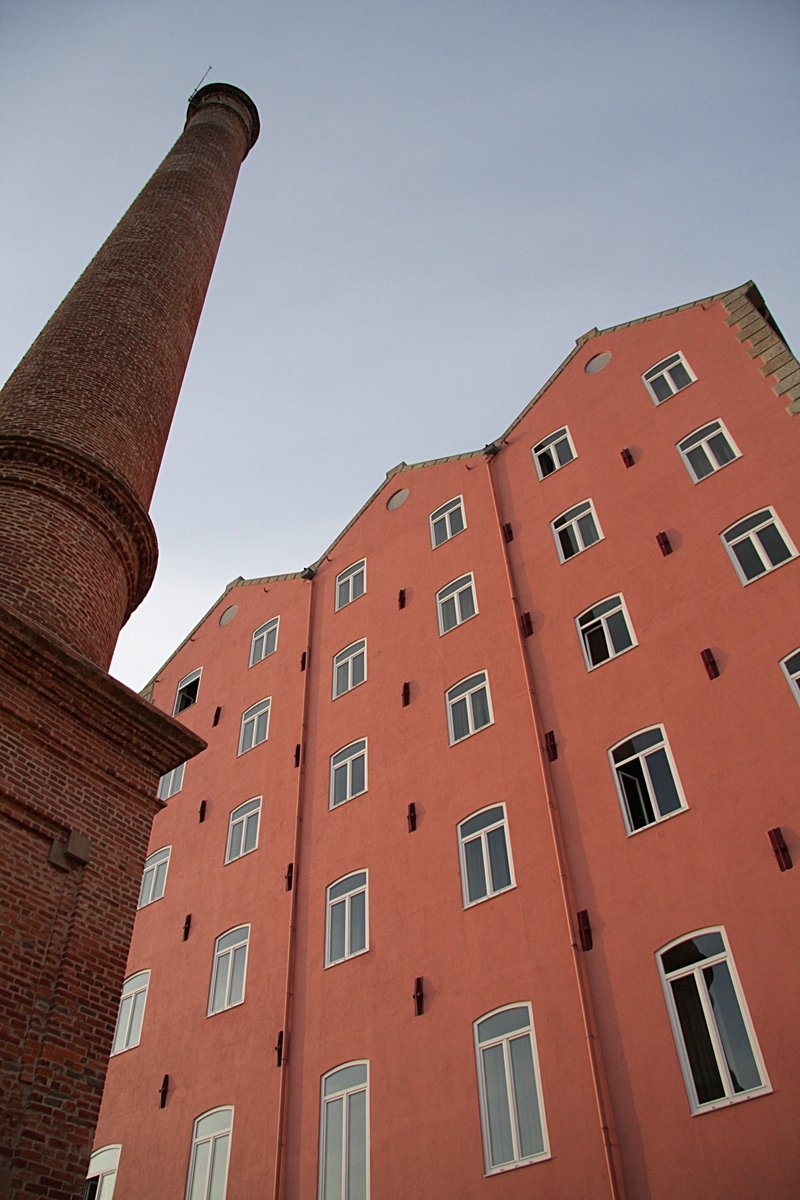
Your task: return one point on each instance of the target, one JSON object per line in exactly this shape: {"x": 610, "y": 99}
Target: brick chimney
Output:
{"x": 85, "y": 417}
{"x": 83, "y": 424}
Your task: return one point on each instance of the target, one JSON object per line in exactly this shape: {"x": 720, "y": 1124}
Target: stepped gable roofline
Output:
{"x": 746, "y": 309}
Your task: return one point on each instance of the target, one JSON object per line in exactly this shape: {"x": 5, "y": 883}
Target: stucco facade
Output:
{"x": 597, "y": 727}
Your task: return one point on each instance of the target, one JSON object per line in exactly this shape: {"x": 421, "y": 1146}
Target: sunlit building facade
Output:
{"x": 483, "y": 886}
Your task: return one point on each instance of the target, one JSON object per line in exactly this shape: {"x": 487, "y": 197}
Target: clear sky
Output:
{"x": 445, "y": 195}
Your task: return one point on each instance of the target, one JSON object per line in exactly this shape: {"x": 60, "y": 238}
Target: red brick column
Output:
{"x": 85, "y": 417}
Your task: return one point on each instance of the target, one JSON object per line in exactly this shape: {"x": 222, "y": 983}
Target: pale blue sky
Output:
{"x": 444, "y": 196}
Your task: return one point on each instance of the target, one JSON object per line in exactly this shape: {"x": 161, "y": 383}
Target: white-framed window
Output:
{"x": 154, "y": 877}
{"x": 344, "y": 1133}
{"x": 512, "y": 1112}
{"x": 243, "y": 826}
{"x": 347, "y": 924}
{"x": 208, "y": 1163}
{"x": 469, "y": 707}
{"x": 485, "y": 854}
{"x": 717, "y": 1048}
{"x": 605, "y": 631}
{"x": 229, "y": 970}
{"x": 264, "y": 641}
{"x": 576, "y": 529}
{"x": 186, "y": 691}
{"x": 758, "y": 544}
{"x": 171, "y": 783}
{"x": 132, "y": 1003}
{"x": 255, "y": 725}
{"x": 667, "y": 377}
{"x": 447, "y": 521}
{"x": 351, "y": 583}
{"x": 708, "y": 450}
{"x": 456, "y": 603}
{"x": 553, "y": 452}
{"x": 647, "y": 783}
{"x": 791, "y": 669}
{"x": 349, "y": 668}
{"x": 348, "y": 772}
{"x": 102, "y": 1174}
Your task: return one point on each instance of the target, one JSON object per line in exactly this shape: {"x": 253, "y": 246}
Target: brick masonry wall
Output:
{"x": 77, "y": 797}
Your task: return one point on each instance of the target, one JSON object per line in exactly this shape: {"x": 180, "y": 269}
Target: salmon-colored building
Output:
{"x": 483, "y": 886}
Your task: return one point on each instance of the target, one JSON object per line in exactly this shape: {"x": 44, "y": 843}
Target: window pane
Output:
{"x": 666, "y": 793}
{"x": 730, "y": 1023}
{"x": 340, "y": 784}
{"x": 237, "y": 978}
{"x": 700, "y": 462}
{"x": 456, "y": 521}
{"x": 480, "y": 708}
{"x": 467, "y": 601}
{"x": 596, "y": 646}
{"x": 498, "y": 859}
{"x": 569, "y": 542}
{"x": 749, "y": 559}
{"x": 529, "y": 1125}
{"x": 460, "y": 720}
{"x": 342, "y": 673}
{"x": 342, "y": 593}
{"x": 546, "y": 463}
{"x": 720, "y": 448}
{"x": 236, "y": 839}
{"x": 358, "y": 669}
{"x": 349, "y": 884}
{"x": 476, "y": 874}
{"x": 449, "y": 614}
{"x": 358, "y": 922}
{"x": 121, "y": 1035}
{"x": 503, "y": 1022}
{"x": 564, "y": 452}
{"x": 696, "y": 1039}
{"x": 501, "y": 1146}
{"x": 358, "y": 585}
{"x": 620, "y": 634}
{"x": 202, "y": 1154}
{"x": 637, "y": 797}
{"x": 136, "y": 1018}
{"x": 250, "y": 833}
{"x": 357, "y": 1146}
{"x": 337, "y": 931}
{"x": 439, "y": 531}
{"x": 774, "y": 546}
{"x": 219, "y": 1163}
{"x": 345, "y": 1077}
{"x": 680, "y": 376}
{"x": 332, "y": 1169}
{"x": 588, "y": 530}
{"x": 215, "y": 1122}
{"x": 247, "y": 735}
{"x": 661, "y": 387}
{"x": 357, "y": 775}
{"x": 261, "y": 726}
{"x": 693, "y": 950}
{"x": 220, "y": 983}
{"x": 481, "y": 821}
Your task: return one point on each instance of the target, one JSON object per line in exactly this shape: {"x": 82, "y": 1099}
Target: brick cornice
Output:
{"x": 753, "y": 323}
{"x": 144, "y": 735}
{"x": 95, "y": 493}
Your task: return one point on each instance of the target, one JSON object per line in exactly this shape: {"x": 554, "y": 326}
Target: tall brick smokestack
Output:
{"x": 85, "y": 417}
{"x": 83, "y": 424}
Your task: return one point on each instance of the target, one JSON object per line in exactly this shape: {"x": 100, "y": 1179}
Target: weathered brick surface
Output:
{"x": 83, "y": 424}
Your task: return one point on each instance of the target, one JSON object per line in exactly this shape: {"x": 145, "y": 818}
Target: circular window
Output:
{"x": 396, "y": 499}
{"x": 229, "y": 614}
{"x": 598, "y": 362}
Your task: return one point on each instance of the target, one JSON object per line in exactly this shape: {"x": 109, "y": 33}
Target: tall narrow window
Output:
{"x": 351, "y": 583}
{"x": 717, "y": 1049}
{"x": 348, "y": 772}
{"x": 347, "y": 927}
{"x": 186, "y": 693}
{"x": 456, "y": 603}
{"x": 647, "y": 783}
{"x": 707, "y": 450}
{"x": 667, "y": 377}
{"x": 758, "y": 544}
{"x": 553, "y": 452}
{"x": 512, "y": 1114}
{"x": 208, "y": 1165}
{"x": 344, "y": 1134}
{"x": 255, "y": 725}
{"x": 575, "y": 530}
{"x": 605, "y": 631}
{"x": 243, "y": 827}
{"x": 229, "y": 970}
{"x": 102, "y": 1174}
{"x": 264, "y": 641}
{"x": 154, "y": 879}
{"x": 131, "y": 1012}
{"x": 349, "y": 668}
{"x": 447, "y": 521}
{"x": 171, "y": 783}
{"x": 469, "y": 707}
{"x": 485, "y": 854}
{"x": 791, "y": 669}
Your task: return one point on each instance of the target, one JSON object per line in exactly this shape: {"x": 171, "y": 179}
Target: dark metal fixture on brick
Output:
{"x": 664, "y": 544}
{"x": 781, "y": 850}
{"x": 710, "y": 663}
{"x": 411, "y": 817}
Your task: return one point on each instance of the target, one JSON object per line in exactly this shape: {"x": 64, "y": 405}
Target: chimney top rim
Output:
{"x": 212, "y": 90}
